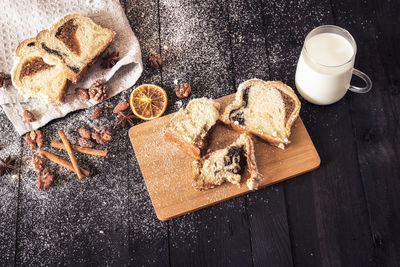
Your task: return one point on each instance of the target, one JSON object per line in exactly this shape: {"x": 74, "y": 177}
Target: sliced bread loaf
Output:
{"x": 189, "y": 127}
{"x": 266, "y": 109}
{"x": 227, "y": 164}
{"x": 77, "y": 41}
{"x": 37, "y": 74}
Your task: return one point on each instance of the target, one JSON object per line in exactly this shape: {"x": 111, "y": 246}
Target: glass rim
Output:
{"x": 343, "y": 31}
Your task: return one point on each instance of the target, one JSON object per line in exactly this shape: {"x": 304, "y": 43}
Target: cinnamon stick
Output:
{"x": 84, "y": 150}
{"x": 71, "y": 155}
{"x": 60, "y": 161}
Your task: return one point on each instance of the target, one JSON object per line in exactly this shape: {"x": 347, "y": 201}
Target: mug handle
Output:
{"x": 365, "y": 78}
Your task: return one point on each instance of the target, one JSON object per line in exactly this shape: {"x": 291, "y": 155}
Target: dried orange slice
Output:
{"x": 148, "y": 101}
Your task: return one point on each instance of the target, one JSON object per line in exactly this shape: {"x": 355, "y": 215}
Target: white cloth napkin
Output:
{"x": 23, "y": 19}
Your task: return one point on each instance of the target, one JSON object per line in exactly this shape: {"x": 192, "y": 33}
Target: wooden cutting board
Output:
{"x": 167, "y": 170}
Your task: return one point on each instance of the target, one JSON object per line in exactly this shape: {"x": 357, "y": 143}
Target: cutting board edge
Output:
{"x": 175, "y": 215}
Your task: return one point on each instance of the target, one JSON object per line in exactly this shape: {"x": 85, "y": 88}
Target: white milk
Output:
{"x": 324, "y": 70}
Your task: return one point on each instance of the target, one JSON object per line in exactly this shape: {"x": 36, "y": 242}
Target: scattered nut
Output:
{"x": 34, "y": 139}
{"x": 96, "y": 113}
{"x": 37, "y": 163}
{"x": 29, "y": 116}
{"x": 121, "y": 106}
{"x": 101, "y": 135}
{"x": 98, "y": 90}
{"x": 82, "y": 93}
{"x": 84, "y": 133}
{"x": 155, "y": 60}
{"x": 97, "y": 138}
{"x": 182, "y": 90}
{"x": 44, "y": 179}
{"x": 85, "y": 143}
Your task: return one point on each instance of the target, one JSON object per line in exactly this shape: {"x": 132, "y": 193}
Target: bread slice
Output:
{"x": 266, "y": 109}
{"x": 77, "y": 41}
{"x": 37, "y": 74}
{"x": 189, "y": 127}
{"x": 227, "y": 164}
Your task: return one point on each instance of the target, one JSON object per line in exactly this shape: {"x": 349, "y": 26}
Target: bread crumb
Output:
{"x": 101, "y": 232}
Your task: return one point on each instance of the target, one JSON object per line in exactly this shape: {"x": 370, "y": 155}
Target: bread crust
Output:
{"x": 59, "y": 99}
{"x": 72, "y": 76}
{"x": 188, "y": 148}
{"x": 270, "y": 139}
{"x": 252, "y": 182}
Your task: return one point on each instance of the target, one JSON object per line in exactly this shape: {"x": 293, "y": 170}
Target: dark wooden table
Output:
{"x": 346, "y": 213}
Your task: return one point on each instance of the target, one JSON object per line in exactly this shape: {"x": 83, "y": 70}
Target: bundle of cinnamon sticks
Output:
{"x": 73, "y": 163}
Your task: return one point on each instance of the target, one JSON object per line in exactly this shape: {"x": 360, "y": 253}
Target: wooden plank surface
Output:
{"x": 375, "y": 117}
{"x": 265, "y": 208}
{"x": 148, "y": 236}
{"x": 346, "y": 213}
{"x": 326, "y": 208}
{"x": 195, "y": 46}
{"x": 168, "y": 175}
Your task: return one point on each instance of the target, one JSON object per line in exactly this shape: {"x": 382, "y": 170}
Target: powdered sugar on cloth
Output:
{"x": 23, "y": 19}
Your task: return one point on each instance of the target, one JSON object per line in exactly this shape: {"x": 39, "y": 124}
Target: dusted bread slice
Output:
{"x": 227, "y": 164}
{"x": 77, "y": 41}
{"x": 189, "y": 126}
{"x": 267, "y": 109}
{"x": 37, "y": 74}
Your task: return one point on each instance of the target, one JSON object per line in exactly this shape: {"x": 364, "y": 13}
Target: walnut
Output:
{"x": 101, "y": 135}
{"x": 37, "y": 163}
{"x": 82, "y": 93}
{"x": 5, "y": 79}
{"x": 29, "y": 116}
{"x": 84, "y": 133}
{"x": 44, "y": 179}
{"x": 96, "y": 113}
{"x": 34, "y": 139}
{"x": 155, "y": 60}
{"x": 85, "y": 143}
{"x": 182, "y": 90}
{"x": 121, "y": 106}
{"x": 98, "y": 90}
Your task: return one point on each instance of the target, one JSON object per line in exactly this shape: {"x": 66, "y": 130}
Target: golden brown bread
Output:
{"x": 266, "y": 109}
{"x": 190, "y": 126}
{"x": 77, "y": 41}
{"x": 227, "y": 164}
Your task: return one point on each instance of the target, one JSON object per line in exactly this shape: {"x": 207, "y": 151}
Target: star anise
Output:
{"x": 7, "y": 165}
{"x": 123, "y": 118}
{"x": 4, "y": 79}
{"x": 110, "y": 60}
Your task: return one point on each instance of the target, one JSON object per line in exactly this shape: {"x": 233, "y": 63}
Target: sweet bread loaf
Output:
{"x": 190, "y": 126}
{"x": 227, "y": 164}
{"x": 37, "y": 74}
{"x": 77, "y": 41}
{"x": 266, "y": 109}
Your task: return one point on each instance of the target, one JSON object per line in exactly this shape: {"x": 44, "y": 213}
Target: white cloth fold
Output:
{"x": 23, "y": 19}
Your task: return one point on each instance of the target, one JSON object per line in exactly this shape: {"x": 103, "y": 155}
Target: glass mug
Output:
{"x": 326, "y": 64}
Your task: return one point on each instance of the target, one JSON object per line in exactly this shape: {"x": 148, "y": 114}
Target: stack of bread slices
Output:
{"x": 44, "y": 64}
{"x": 260, "y": 108}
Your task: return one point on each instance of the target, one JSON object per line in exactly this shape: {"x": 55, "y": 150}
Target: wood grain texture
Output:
{"x": 195, "y": 44}
{"x": 266, "y": 208}
{"x": 328, "y": 215}
{"x": 168, "y": 174}
{"x": 148, "y": 236}
{"x": 375, "y": 117}
{"x": 10, "y": 145}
